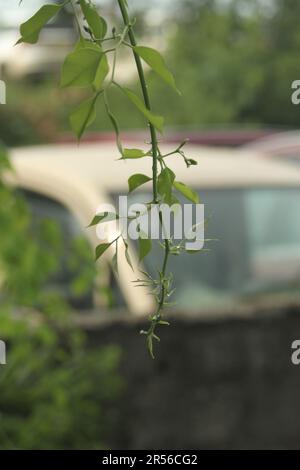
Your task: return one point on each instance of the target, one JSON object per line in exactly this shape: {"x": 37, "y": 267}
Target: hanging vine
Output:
{"x": 88, "y": 66}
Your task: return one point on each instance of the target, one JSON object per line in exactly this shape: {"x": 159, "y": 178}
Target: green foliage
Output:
{"x": 97, "y": 24}
{"x": 56, "y": 393}
{"x": 145, "y": 246}
{"x": 133, "y": 153}
{"x": 157, "y": 121}
{"x": 165, "y": 184}
{"x": 87, "y": 66}
{"x": 101, "y": 249}
{"x": 187, "y": 192}
{"x": 103, "y": 217}
{"x": 83, "y": 116}
{"x": 233, "y": 68}
{"x": 127, "y": 255}
{"x": 30, "y": 30}
{"x": 137, "y": 180}
{"x": 157, "y": 63}
{"x": 240, "y": 76}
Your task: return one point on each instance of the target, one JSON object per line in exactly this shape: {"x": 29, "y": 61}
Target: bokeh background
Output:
{"x": 225, "y": 383}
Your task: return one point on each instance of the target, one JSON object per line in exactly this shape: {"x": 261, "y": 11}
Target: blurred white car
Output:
{"x": 282, "y": 145}
{"x": 251, "y": 203}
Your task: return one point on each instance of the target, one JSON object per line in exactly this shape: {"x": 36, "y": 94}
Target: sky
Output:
{"x": 14, "y": 13}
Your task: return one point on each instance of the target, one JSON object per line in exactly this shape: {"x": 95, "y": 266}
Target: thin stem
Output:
{"x": 141, "y": 74}
{"x": 163, "y": 274}
{"x": 156, "y": 157}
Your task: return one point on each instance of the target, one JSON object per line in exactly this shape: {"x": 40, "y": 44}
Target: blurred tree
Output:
{"x": 55, "y": 392}
{"x": 234, "y": 63}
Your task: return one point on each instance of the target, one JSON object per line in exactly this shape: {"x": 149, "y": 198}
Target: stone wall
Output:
{"x": 215, "y": 384}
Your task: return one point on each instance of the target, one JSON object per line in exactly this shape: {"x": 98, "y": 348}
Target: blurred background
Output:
{"x": 77, "y": 373}
{"x": 235, "y": 59}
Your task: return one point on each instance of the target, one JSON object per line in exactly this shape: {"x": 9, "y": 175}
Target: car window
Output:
{"x": 75, "y": 275}
{"x": 255, "y": 248}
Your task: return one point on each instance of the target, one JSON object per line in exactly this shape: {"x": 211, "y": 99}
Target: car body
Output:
{"x": 282, "y": 145}
{"x": 251, "y": 204}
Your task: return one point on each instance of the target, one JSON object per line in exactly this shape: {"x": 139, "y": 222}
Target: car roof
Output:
{"x": 281, "y": 142}
{"x": 98, "y": 165}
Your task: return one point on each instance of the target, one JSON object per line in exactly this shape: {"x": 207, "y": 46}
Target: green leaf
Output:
{"x": 145, "y": 246}
{"x": 163, "y": 322}
{"x": 115, "y": 261}
{"x": 157, "y": 121}
{"x": 150, "y": 345}
{"x": 115, "y": 264}
{"x": 81, "y": 68}
{"x": 101, "y": 73}
{"x": 187, "y": 192}
{"x": 127, "y": 255}
{"x": 101, "y": 249}
{"x": 193, "y": 252}
{"x": 83, "y": 43}
{"x": 133, "y": 153}
{"x": 115, "y": 125}
{"x": 165, "y": 184}
{"x": 97, "y": 24}
{"x": 83, "y": 116}
{"x": 30, "y": 30}
{"x": 137, "y": 180}
{"x": 154, "y": 59}
{"x": 103, "y": 217}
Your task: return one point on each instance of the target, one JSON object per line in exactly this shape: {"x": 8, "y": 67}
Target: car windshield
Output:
{"x": 255, "y": 248}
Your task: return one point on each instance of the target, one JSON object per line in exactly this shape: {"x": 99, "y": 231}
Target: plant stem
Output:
{"x": 155, "y": 319}
{"x": 143, "y": 83}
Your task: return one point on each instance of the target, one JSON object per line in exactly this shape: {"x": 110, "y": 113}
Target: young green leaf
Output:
{"x": 137, "y": 180}
{"x": 101, "y": 73}
{"x": 97, "y": 24}
{"x": 150, "y": 345}
{"x": 115, "y": 126}
{"x": 30, "y": 30}
{"x": 157, "y": 121}
{"x": 101, "y": 249}
{"x": 83, "y": 116}
{"x": 163, "y": 322}
{"x": 145, "y": 246}
{"x": 133, "y": 153}
{"x": 115, "y": 264}
{"x": 81, "y": 68}
{"x": 83, "y": 43}
{"x": 187, "y": 192}
{"x": 154, "y": 59}
{"x": 127, "y": 255}
{"x": 165, "y": 183}
{"x": 115, "y": 261}
{"x": 103, "y": 217}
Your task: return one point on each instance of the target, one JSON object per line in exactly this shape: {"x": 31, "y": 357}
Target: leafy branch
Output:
{"x": 88, "y": 67}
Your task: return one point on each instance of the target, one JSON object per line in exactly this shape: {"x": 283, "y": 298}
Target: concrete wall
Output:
{"x": 215, "y": 384}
